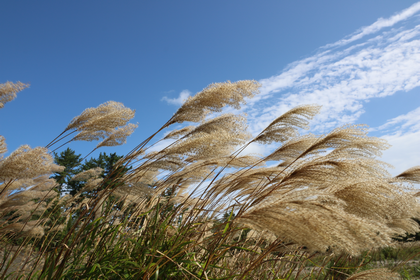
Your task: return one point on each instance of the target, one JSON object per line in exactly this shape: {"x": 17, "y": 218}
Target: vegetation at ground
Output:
{"x": 317, "y": 207}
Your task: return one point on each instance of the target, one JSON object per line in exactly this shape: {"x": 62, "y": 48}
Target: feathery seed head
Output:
{"x": 168, "y": 162}
{"x": 27, "y": 163}
{"x": 285, "y": 126}
{"x": 214, "y": 138}
{"x": 119, "y": 136}
{"x": 175, "y": 134}
{"x": 351, "y": 138}
{"x": 229, "y": 123}
{"x": 24, "y": 229}
{"x": 140, "y": 177}
{"x": 8, "y": 91}
{"x": 101, "y": 121}
{"x": 92, "y": 183}
{"x": 411, "y": 175}
{"x": 18, "y": 184}
{"x": 293, "y": 148}
{"x": 213, "y": 98}
{"x": 88, "y": 174}
{"x": 3, "y": 146}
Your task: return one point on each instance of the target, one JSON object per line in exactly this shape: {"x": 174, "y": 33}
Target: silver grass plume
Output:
{"x": 26, "y": 163}
{"x": 292, "y": 149}
{"x": 23, "y": 179}
{"x": 92, "y": 173}
{"x": 212, "y": 139}
{"x": 355, "y": 135}
{"x": 285, "y": 126}
{"x": 3, "y": 146}
{"x": 105, "y": 117}
{"x": 318, "y": 222}
{"x": 411, "y": 175}
{"x": 213, "y": 98}
{"x": 118, "y": 136}
{"x": 20, "y": 199}
{"x": 175, "y": 134}
{"x": 91, "y": 177}
{"x": 91, "y": 184}
{"x": 31, "y": 228}
{"x": 107, "y": 121}
{"x": 8, "y": 91}
{"x": 319, "y": 189}
{"x": 136, "y": 187}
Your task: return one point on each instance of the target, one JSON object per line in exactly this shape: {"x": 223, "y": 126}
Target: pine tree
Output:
{"x": 108, "y": 164}
{"x": 71, "y": 161}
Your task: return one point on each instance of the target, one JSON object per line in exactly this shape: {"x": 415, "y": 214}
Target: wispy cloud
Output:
{"x": 183, "y": 95}
{"x": 378, "y": 25}
{"x": 407, "y": 122}
{"x": 343, "y": 79}
{"x": 403, "y": 133}
{"x": 404, "y": 153}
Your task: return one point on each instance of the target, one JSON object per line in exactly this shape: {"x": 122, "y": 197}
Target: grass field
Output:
{"x": 316, "y": 207}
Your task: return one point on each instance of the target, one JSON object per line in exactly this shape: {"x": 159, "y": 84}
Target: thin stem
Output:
{"x": 56, "y": 141}
{"x": 62, "y": 145}
{"x": 7, "y": 185}
{"x": 88, "y": 154}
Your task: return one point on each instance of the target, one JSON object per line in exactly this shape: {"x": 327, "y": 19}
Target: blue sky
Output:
{"x": 359, "y": 59}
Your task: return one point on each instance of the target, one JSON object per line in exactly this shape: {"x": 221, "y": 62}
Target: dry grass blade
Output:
{"x": 180, "y": 267}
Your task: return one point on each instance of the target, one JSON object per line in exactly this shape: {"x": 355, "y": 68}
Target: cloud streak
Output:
{"x": 342, "y": 80}
{"x": 409, "y": 121}
{"x": 378, "y": 25}
{"x": 183, "y": 96}
{"x": 403, "y": 133}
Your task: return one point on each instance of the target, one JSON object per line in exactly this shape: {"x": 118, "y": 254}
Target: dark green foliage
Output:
{"x": 71, "y": 161}
{"x": 73, "y": 165}
{"x": 410, "y": 237}
{"x": 108, "y": 164}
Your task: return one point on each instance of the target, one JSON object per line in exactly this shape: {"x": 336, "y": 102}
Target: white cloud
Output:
{"x": 378, "y": 25}
{"x": 405, "y": 151}
{"x": 342, "y": 80}
{"x": 256, "y": 149}
{"x": 183, "y": 96}
{"x": 410, "y": 121}
{"x": 160, "y": 145}
{"x": 403, "y": 133}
